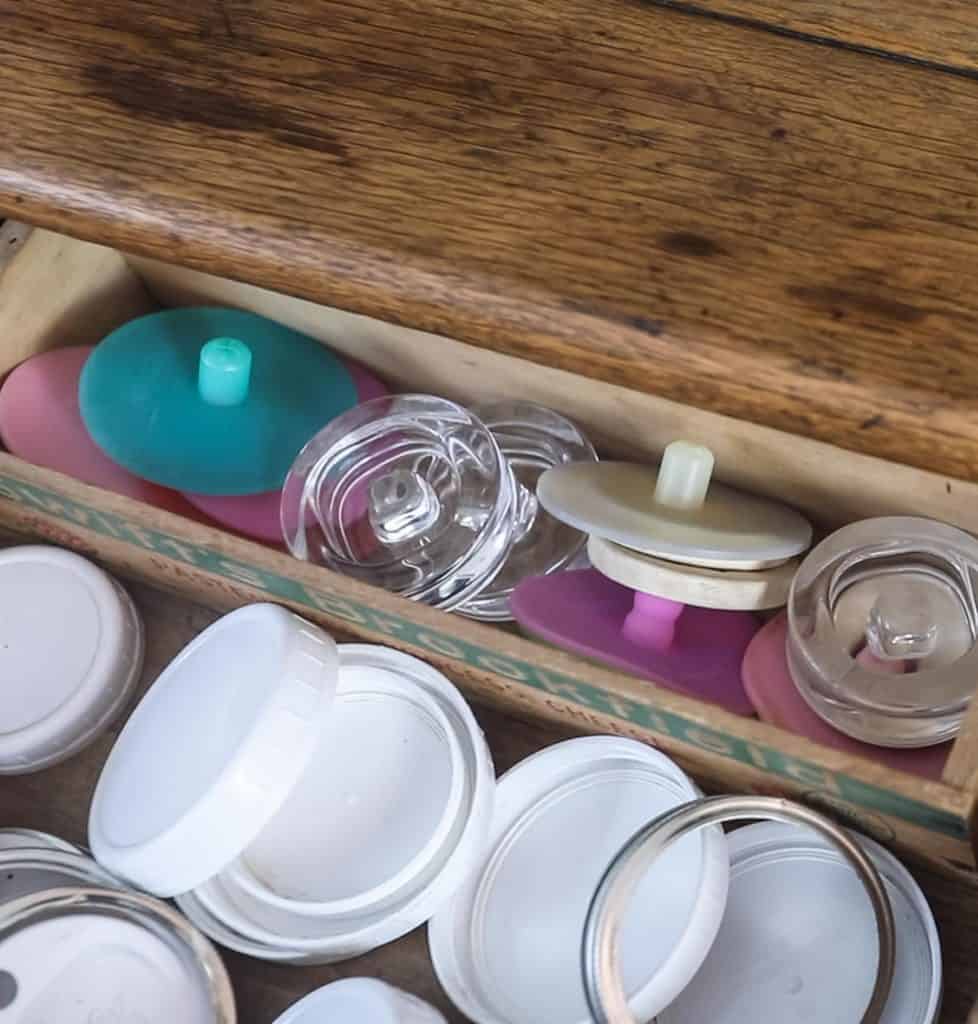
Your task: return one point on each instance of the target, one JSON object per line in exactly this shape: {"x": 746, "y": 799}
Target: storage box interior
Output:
{"x": 57, "y": 291}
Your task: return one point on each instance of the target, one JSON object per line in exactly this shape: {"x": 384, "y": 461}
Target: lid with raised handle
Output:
{"x": 677, "y": 512}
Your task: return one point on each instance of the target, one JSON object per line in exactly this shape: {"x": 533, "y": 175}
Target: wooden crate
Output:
{"x": 55, "y": 291}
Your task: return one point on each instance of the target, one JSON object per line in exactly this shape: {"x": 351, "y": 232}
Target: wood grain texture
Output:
{"x": 744, "y": 223}
{"x": 57, "y": 800}
{"x": 941, "y": 32}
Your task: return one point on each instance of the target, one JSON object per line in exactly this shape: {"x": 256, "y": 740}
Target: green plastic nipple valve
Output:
{"x": 224, "y": 372}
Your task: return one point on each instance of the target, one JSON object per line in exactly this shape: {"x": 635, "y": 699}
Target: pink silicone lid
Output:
{"x": 259, "y": 515}
{"x": 770, "y": 686}
{"x": 40, "y": 423}
{"x": 585, "y": 612}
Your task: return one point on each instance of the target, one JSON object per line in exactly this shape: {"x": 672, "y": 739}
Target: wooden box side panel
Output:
{"x": 721, "y": 750}
{"x": 57, "y": 291}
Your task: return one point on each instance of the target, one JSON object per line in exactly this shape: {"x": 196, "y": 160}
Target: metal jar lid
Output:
{"x": 79, "y": 955}
{"x": 26, "y": 871}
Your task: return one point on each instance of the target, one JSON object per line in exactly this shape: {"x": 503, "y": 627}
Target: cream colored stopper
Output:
{"x": 684, "y": 475}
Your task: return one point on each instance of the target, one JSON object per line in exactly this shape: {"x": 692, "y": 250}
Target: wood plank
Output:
{"x": 942, "y": 32}
{"x": 57, "y": 800}
{"x": 733, "y": 220}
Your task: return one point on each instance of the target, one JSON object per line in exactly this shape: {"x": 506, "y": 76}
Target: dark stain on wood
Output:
{"x": 871, "y": 421}
{"x": 688, "y": 243}
{"x": 836, "y": 301}
{"x": 226, "y": 17}
{"x": 647, "y": 325}
{"x": 779, "y": 134}
{"x": 157, "y": 98}
{"x": 488, "y": 156}
{"x": 812, "y": 367}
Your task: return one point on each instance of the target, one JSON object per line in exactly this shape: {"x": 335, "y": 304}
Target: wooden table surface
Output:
{"x": 57, "y": 801}
{"x": 765, "y": 208}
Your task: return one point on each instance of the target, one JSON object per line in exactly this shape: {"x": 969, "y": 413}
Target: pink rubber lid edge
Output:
{"x": 773, "y": 692}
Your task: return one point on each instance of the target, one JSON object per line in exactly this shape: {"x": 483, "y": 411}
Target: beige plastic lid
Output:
{"x": 724, "y": 589}
{"x": 676, "y": 512}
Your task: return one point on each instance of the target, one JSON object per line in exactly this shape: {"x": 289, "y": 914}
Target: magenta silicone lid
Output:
{"x": 696, "y": 651}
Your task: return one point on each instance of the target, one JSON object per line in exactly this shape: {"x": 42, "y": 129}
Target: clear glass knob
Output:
{"x": 410, "y": 493}
{"x": 882, "y": 624}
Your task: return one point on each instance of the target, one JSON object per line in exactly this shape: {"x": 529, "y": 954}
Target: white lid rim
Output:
{"x": 475, "y": 816}
{"x": 108, "y": 683}
{"x": 392, "y": 686}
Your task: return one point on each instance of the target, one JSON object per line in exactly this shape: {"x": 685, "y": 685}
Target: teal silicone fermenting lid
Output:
{"x": 209, "y": 400}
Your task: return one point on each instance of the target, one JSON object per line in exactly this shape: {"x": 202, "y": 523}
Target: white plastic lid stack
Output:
{"x": 507, "y": 949}
{"x": 343, "y": 869}
{"x": 360, "y": 1001}
{"x": 71, "y": 652}
{"x": 798, "y": 939}
{"x": 80, "y": 956}
{"x": 262, "y": 731}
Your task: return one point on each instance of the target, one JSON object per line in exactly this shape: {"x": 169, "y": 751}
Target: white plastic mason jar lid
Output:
{"x": 268, "y": 766}
{"x": 507, "y": 947}
{"x": 87, "y": 955}
{"x": 71, "y": 651}
{"x": 798, "y": 940}
{"x": 213, "y": 749}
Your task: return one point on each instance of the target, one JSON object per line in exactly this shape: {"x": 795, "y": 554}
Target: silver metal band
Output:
{"x": 145, "y": 911}
{"x": 602, "y": 976}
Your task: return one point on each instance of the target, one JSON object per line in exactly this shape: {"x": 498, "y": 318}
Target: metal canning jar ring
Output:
{"x": 602, "y": 977}
{"x": 156, "y": 917}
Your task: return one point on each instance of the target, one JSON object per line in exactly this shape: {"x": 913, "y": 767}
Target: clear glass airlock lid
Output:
{"x": 882, "y": 629}
{"x": 419, "y": 496}
{"x": 532, "y": 439}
